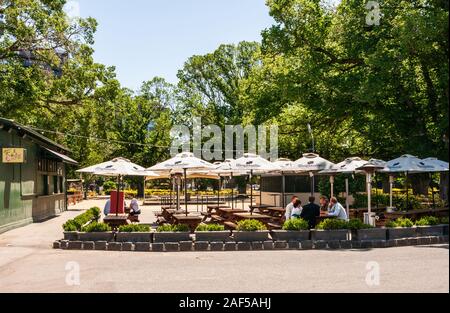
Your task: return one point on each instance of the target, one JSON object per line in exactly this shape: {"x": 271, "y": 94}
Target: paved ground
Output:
{"x": 28, "y": 264}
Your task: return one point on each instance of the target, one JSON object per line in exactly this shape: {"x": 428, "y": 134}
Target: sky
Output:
{"x": 148, "y": 38}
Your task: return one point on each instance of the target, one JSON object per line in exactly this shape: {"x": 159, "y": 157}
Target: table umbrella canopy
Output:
{"x": 182, "y": 161}
{"x": 190, "y": 175}
{"x": 117, "y": 167}
{"x": 311, "y": 162}
{"x": 409, "y": 164}
{"x": 349, "y": 165}
{"x": 440, "y": 166}
{"x": 254, "y": 163}
{"x": 228, "y": 168}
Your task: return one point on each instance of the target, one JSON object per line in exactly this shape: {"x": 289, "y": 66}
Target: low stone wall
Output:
{"x": 246, "y": 246}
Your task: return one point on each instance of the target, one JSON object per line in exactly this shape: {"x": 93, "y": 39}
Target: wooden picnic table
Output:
{"x": 259, "y": 207}
{"x": 191, "y": 220}
{"x": 116, "y": 221}
{"x": 216, "y": 207}
{"x": 276, "y": 211}
{"x": 228, "y": 212}
{"x": 415, "y": 214}
{"x": 255, "y": 216}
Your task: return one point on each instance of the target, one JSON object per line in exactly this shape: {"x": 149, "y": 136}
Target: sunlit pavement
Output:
{"x": 29, "y": 264}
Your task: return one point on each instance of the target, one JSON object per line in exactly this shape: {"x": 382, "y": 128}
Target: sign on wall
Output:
{"x": 13, "y": 155}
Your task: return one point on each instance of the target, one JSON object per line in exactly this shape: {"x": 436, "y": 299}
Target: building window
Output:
{"x": 61, "y": 184}
{"x": 55, "y": 184}
{"x": 45, "y": 190}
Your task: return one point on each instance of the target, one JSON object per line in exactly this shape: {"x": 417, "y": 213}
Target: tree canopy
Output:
{"x": 366, "y": 90}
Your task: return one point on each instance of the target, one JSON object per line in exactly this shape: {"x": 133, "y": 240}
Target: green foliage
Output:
{"x": 295, "y": 224}
{"x": 250, "y": 225}
{"x": 398, "y": 201}
{"x": 332, "y": 223}
{"x": 108, "y": 186}
{"x": 444, "y": 220}
{"x": 400, "y": 222}
{"x": 93, "y": 214}
{"x": 96, "y": 227}
{"x": 428, "y": 221}
{"x": 210, "y": 227}
{"x": 173, "y": 228}
{"x": 355, "y": 224}
{"x": 134, "y": 228}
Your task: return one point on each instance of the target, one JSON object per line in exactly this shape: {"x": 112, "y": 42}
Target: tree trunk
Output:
{"x": 419, "y": 183}
{"x": 443, "y": 186}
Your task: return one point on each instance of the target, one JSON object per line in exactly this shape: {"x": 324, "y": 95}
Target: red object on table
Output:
{"x": 113, "y": 203}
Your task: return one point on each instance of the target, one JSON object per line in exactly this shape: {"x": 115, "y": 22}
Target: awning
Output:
{"x": 63, "y": 157}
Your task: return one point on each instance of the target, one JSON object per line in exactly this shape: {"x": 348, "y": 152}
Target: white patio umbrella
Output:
{"x": 118, "y": 167}
{"x": 370, "y": 167}
{"x": 408, "y": 164}
{"x": 253, "y": 163}
{"x": 348, "y": 166}
{"x": 227, "y": 169}
{"x": 182, "y": 162}
{"x": 312, "y": 163}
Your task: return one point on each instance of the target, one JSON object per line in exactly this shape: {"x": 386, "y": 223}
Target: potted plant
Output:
{"x": 250, "y": 230}
{"x": 96, "y": 232}
{"x": 400, "y": 228}
{"x": 330, "y": 229}
{"x": 70, "y": 230}
{"x": 211, "y": 232}
{"x": 444, "y": 222}
{"x": 293, "y": 230}
{"x": 134, "y": 233}
{"x": 429, "y": 226}
{"x": 172, "y": 233}
{"x": 361, "y": 231}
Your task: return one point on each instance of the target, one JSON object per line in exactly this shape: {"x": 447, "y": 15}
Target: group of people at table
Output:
{"x": 311, "y": 211}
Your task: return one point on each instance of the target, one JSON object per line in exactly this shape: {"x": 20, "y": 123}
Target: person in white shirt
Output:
{"x": 297, "y": 209}
{"x": 134, "y": 207}
{"x": 337, "y": 210}
{"x": 289, "y": 208}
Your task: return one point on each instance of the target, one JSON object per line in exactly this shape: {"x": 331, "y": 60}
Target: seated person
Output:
{"x": 297, "y": 209}
{"x": 337, "y": 210}
{"x": 134, "y": 207}
{"x": 107, "y": 207}
{"x": 324, "y": 204}
{"x": 289, "y": 208}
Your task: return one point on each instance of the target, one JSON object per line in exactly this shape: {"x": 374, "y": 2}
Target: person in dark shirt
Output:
{"x": 310, "y": 212}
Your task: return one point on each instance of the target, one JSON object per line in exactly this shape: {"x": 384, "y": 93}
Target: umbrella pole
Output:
{"x": 407, "y": 192}
{"x": 185, "y": 191}
{"x": 283, "y": 189}
{"x": 118, "y": 192}
{"x": 369, "y": 194}
{"x": 391, "y": 184}
{"x": 218, "y": 191}
{"x": 232, "y": 192}
{"x": 432, "y": 191}
{"x": 332, "y": 186}
{"x": 251, "y": 191}
{"x": 347, "y": 205}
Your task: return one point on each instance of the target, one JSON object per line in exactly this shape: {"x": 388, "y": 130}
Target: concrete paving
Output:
{"x": 28, "y": 264}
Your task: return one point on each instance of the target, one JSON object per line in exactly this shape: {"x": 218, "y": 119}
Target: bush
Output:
{"x": 77, "y": 223}
{"x": 134, "y": 228}
{"x": 70, "y": 226}
{"x": 108, "y": 186}
{"x": 210, "y": 227}
{"x": 444, "y": 220}
{"x": 400, "y": 222}
{"x": 427, "y": 221}
{"x": 296, "y": 224}
{"x": 332, "y": 223}
{"x": 250, "y": 225}
{"x": 355, "y": 224}
{"x": 96, "y": 228}
{"x": 172, "y": 228}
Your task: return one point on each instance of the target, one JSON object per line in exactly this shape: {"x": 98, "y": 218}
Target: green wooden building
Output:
{"x": 32, "y": 176}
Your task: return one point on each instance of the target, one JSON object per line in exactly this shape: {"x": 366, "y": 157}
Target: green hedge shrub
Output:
{"x": 443, "y": 220}
{"x": 250, "y": 225}
{"x": 93, "y": 214}
{"x": 427, "y": 221}
{"x": 400, "y": 222}
{"x": 134, "y": 228}
{"x": 332, "y": 223}
{"x": 355, "y": 224}
{"x": 296, "y": 224}
{"x": 210, "y": 227}
{"x": 96, "y": 227}
{"x": 172, "y": 228}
